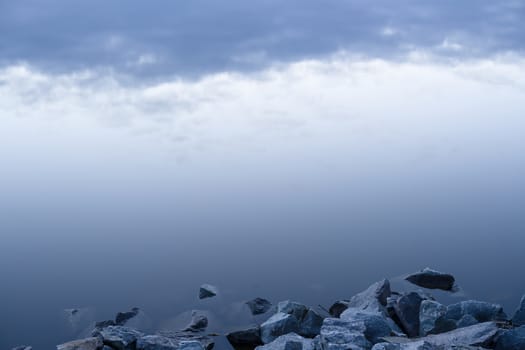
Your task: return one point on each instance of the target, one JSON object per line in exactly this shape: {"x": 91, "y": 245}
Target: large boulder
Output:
{"x": 119, "y": 337}
{"x": 188, "y": 339}
{"x": 259, "y": 306}
{"x": 250, "y": 336}
{"x": 338, "y": 334}
{"x": 290, "y": 341}
{"x": 375, "y": 324}
{"x": 293, "y": 308}
{"x": 93, "y": 343}
{"x": 156, "y": 342}
{"x": 407, "y": 311}
{"x": 480, "y": 310}
{"x": 513, "y": 339}
{"x": 519, "y": 316}
{"x": 432, "y": 318}
{"x": 310, "y": 324}
{"x": 279, "y": 324}
{"x": 373, "y": 299}
{"x": 432, "y": 279}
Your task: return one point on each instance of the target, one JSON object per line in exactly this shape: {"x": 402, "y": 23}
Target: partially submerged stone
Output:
{"x": 93, "y": 343}
{"x": 519, "y": 316}
{"x": 122, "y": 317}
{"x": 513, "y": 339}
{"x": 480, "y": 310}
{"x": 259, "y": 306}
{"x": 250, "y": 336}
{"x": 207, "y": 291}
{"x": 199, "y": 322}
{"x": 432, "y": 279}
{"x": 279, "y": 324}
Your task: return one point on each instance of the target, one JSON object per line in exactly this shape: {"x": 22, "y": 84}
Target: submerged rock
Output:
{"x": 290, "y": 341}
{"x": 279, "y": 324}
{"x": 432, "y": 318}
{"x": 93, "y": 343}
{"x": 250, "y": 336}
{"x": 122, "y": 317}
{"x": 480, "y": 310}
{"x": 259, "y": 306}
{"x": 513, "y": 339}
{"x": 432, "y": 279}
{"x": 207, "y": 291}
{"x": 519, "y": 316}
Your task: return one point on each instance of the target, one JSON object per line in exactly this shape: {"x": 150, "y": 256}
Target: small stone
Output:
{"x": 259, "y": 306}
{"x": 207, "y": 291}
{"x": 432, "y": 279}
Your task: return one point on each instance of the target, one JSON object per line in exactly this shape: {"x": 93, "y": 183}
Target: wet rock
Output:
{"x": 480, "y": 310}
{"x": 93, "y": 343}
{"x": 198, "y": 323}
{"x": 432, "y": 279}
{"x": 190, "y": 345}
{"x": 310, "y": 324}
{"x": 374, "y": 298}
{"x": 338, "y": 334}
{"x": 23, "y": 347}
{"x": 407, "y": 311}
{"x": 375, "y": 324}
{"x": 432, "y": 318}
{"x": 103, "y": 324}
{"x": 513, "y": 339}
{"x": 279, "y": 324}
{"x": 250, "y": 336}
{"x": 294, "y": 308}
{"x": 289, "y": 341}
{"x": 156, "y": 342}
{"x": 466, "y": 321}
{"x": 519, "y": 316}
{"x": 386, "y": 346}
{"x": 338, "y": 307}
{"x": 259, "y": 306}
{"x": 207, "y": 291}
{"x": 122, "y": 317}
{"x": 181, "y": 336}
{"x": 119, "y": 337}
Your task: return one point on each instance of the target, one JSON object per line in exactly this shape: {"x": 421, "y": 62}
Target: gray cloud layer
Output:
{"x": 200, "y": 36}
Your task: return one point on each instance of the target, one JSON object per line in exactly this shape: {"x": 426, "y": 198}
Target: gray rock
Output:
{"x": 513, "y": 339}
{"x": 386, "y": 346}
{"x": 103, "y": 324}
{"x": 207, "y": 291}
{"x": 293, "y": 308}
{"x": 432, "y": 279}
{"x": 432, "y": 318}
{"x": 93, "y": 343}
{"x": 198, "y": 323}
{"x": 119, "y": 337}
{"x": 259, "y": 306}
{"x": 311, "y": 323}
{"x": 337, "y": 334}
{"x": 374, "y": 298}
{"x": 480, "y": 310}
{"x": 289, "y": 341}
{"x": 338, "y": 307}
{"x": 156, "y": 342}
{"x": 279, "y": 324}
{"x": 249, "y": 336}
{"x": 375, "y": 324}
{"x": 190, "y": 345}
{"x": 23, "y": 347}
{"x": 407, "y": 311}
{"x": 519, "y": 316}
{"x": 122, "y": 317}
{"x": 466, "y": 321}
{"x": 178, "y": 337}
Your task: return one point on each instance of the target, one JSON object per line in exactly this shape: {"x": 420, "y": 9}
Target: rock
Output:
{"x": 375, "y": 324}
{"x": 432, "y": 318}
{"x": 338, "y": 307}
{"x": 337, "y": 334}
{"x": 122, "y": 317}
{"x": 386, "y": 346}
{"x": 103, "y": 324}
{"x": 519, "y": 316}
{"x": 190, "y": 345}
{"x": 290, "y": 341}
{"x": 480, "y": 310}
{"x": 466, "y": 321}
{"x": 119, "y": 337}
{"x": 279, "y": 324}
{"x": 249, "y": 336}
{"x": 293, "y": 308}
{"x": 207, "y": 291}
{"x": 93, "y": 343}
{"x": 513, "y": 339}
{"x": 407, "y": 310}
{"x": 374, "y": 298}
{"x": 178, "y": 337}
{"x": 259, "y": 306}
{"x": 432, "y": 279}
{"x": 23, "y": 347}
{"x": 198, "y": 323}
{"x": 311, "y": 323}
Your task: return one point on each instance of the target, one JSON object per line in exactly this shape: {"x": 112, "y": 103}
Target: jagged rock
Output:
{"x": 181, "y": 336}
{"x": 465, "y": 321}
{"x": 279, "y": 324}
{"x": 375, "y": 324}
{"x": 519, "y": 316}
{"x": 190, "y": 345}
{"x": 407, "y": 311}
{"x": 290, "y": 341}
{"x": 432, "y": 279}
{"x": 294, "y": 308}
{"x": 103, "y": 324}
{"x": 157, "y": 342}
{"x": 338, "y": 307}
{"x": 432, "y": 318}
{"x": 93, "y": 343}
{"x": 259, "y": 306}
{"x": 250, "y": 336}
{"x": 374, "y": 298}
{"x": 198, "y": 323}
{"x": 480, "y": 310}
{"x": 119, "y": 337}
{"x": 513, "y": 339}
{"x": 207, "y": 291}
{"x": 338, "y": 334}
{"x": 311, "y": 323}
{"x": 122, "y": 317}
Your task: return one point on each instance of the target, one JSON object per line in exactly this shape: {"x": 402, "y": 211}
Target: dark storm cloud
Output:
{"x": 197, "y": 36}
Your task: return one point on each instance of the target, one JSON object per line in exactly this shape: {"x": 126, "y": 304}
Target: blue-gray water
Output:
{"x": 306, "y": 182}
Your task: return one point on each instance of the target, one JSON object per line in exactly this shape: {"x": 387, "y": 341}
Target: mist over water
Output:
{"x": 307, "y": 181}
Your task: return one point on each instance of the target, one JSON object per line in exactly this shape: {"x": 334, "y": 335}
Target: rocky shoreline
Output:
{"x": 376, "y": 319}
